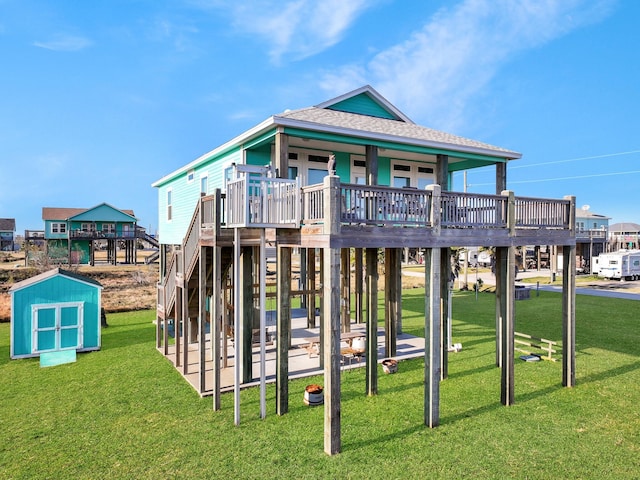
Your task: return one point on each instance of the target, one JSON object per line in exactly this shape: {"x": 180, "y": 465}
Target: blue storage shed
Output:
{"x": 55, "y": 311}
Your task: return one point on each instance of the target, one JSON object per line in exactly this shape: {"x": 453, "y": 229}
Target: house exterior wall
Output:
{"x": 186, "y": 193}
{"x": 54, "y": 290}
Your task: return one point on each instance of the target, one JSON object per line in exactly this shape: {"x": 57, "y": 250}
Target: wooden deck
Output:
{"x": 301, "y": 364}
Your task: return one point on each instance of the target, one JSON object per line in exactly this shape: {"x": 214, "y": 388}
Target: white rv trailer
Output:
{"x": 623, "y": 265}
{"x": 476, "y": 257}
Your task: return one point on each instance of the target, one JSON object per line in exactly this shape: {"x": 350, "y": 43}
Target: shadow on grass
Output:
{"x": 395, "y": 436}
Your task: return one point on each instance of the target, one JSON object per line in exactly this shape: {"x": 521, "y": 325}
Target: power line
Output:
{"x": 606, "y": 155}
{"x": 575, "y": 177}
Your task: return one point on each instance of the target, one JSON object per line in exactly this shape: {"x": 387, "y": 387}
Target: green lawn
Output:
{"x": 124, "y": 412}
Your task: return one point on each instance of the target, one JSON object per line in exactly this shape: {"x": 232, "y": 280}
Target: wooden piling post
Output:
{"x": 371, "y": 260}
{"x": 283, "y": 329}
{"x": 217, "y": 301}
{"x": 432, "y": 334}
{"x": 569, "y": 316}
{"x": 331, "y": 321}
{"x": 345, "y": 296}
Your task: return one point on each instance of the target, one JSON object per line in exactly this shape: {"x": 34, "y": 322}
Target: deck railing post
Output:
{"x": 571, "y": 216}
{"x": 435, "y": 212}
{"x": 511, "y": 211}
{"x": 331, "y": 214}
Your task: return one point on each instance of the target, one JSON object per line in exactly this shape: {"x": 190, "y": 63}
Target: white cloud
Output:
{"x": 456, "y": 54}
{"x": 294, "y": 28}
{"x": 64, "y": 43}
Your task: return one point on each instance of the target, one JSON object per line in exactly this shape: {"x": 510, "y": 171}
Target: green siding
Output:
{"x": 384, "y": 171}
{"x": 47, "y": 230}
{"x": 54, "y": 290}
{"x": 260, "y": 158}
{"x": 343, "y": 166}
{"x": 185, "y": 196}
{"x": 363, "y": 104}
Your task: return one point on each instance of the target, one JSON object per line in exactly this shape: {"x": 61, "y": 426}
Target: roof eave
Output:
{"x": 235, "y": 142}
{"x": 502, "y": 154}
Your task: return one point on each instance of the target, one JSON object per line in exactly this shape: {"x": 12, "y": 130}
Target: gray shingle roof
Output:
{"x": 8, "y": 224}
{"x": 624, "y": 227}
{"x": 403, "y": 131}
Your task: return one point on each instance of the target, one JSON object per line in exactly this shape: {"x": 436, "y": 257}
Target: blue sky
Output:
{"x": 101, "y": 98}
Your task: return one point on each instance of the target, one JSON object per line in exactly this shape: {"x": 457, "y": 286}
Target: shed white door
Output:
{"x": 56, "y": 326}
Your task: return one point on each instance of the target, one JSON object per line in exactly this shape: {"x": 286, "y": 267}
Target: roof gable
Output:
{"x": 53, "y": 273}
{"x": 365, "y": 101}
{"x": 104, "y": 213}
{"x": 95, "y": 213}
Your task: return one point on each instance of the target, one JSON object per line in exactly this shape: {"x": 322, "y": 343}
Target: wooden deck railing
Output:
{"x": 312, "y": 204}
{"x": 466, "y": 210}
{"x": 378, "y": 205}
{"x": 263, "y": 202}
{"x": 542, "y": 213}
{"x": 191, "y": 242}
{"x": 169, "y": 285}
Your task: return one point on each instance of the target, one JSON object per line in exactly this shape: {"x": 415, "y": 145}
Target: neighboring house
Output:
{"x": 7, "y": 229}
{"x": 624, "y": 235}
{"x": 55, "y": 311}
{"x": 348, "y": 179}
{"x": 591, "y": 235}
{"x": 74, "y": 234}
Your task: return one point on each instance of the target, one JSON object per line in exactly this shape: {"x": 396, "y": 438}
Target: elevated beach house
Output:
{"x": 7, "y": 232}
{"x": 342, "y": 184}
{"x": 73, "y": 235}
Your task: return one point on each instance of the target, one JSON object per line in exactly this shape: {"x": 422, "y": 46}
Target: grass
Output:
{"x": 124, "y": 412}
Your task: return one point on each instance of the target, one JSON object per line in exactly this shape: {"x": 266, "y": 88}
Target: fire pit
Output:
{"x": 313, "y": 395}
{"x": 389, "y": 365}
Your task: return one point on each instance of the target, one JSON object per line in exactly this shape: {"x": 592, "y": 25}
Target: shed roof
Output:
{"x": 52, "y": 273}
{"x": 8, "y": 224}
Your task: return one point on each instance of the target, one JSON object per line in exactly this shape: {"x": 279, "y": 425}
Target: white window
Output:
{"x": 58, "y": 228}
{"x": 411, "y": 174}
{"x": 108, "y": 228}
{"x": 88, "y": 227}
{"x": 358, "y": 170}
{"x": 169, "y": 212}
{"x": 204, "y": 184}
{"x": 228, "y": 174}
{"x": 310, "y": 166}
{"x": 190, "y": 176}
